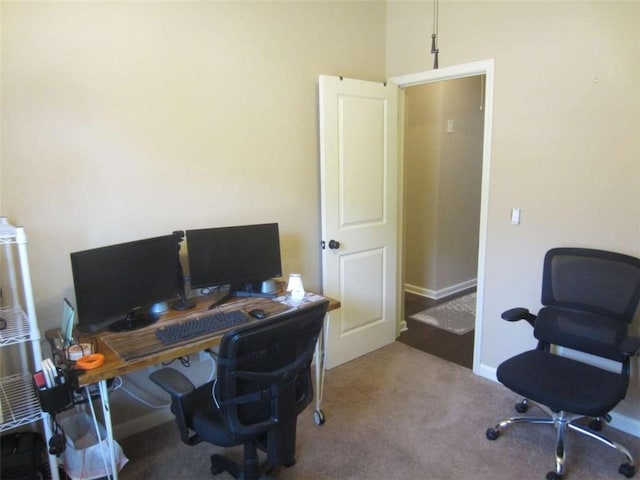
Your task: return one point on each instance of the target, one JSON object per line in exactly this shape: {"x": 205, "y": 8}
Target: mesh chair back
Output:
{"x": 589, "y": 297}
{"x": 596, "y": 281}
{"x": 264, "y": 373}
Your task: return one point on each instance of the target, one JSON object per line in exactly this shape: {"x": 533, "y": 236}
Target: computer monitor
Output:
{"x": 240, "y": 256}
{"x": 116, "y": 286}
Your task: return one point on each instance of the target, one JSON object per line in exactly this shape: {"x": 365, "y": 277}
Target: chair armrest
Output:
{"x": 179, "y": 388}
{"x": 515, "y": 314}
{"x": 630, "y": 346}
{"x": 173, "y": 382}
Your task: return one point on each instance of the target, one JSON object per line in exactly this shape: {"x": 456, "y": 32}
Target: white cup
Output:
{"x": 295, "y": 289}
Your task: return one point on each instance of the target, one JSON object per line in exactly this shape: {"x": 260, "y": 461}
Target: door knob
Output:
{"x": 334, "y": 245}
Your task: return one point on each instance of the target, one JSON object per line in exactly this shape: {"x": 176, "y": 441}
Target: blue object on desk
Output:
{"x": 68, "y": 316}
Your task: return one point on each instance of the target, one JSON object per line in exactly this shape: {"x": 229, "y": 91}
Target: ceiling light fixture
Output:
{"x": 434, "y": 35}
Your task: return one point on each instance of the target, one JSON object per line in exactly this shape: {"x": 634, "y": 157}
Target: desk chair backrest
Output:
{"x": 589, "y": 297}
{"x": 264, "y": 371}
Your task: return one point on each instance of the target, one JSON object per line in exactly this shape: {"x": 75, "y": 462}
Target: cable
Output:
{"x": 434, "y": 36}
{"x": 213, "y": 365}
{"x": 435, "y": 17}
{"x": 115, "y": 386}
{"x": 185, "y": 361}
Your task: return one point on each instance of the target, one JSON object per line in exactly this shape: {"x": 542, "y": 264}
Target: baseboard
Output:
{"x": 485, "y": 371}
{"x": 140, "y": 424}
{"x": 625, "y": 423}
{"x": 619, "y": 421}
{"x": 442, "y": 293}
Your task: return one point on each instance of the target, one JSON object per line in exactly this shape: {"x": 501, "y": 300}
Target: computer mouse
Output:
{"x": 258, "y": 313}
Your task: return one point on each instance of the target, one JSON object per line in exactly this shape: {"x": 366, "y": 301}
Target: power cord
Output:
{"x": 185, "y": 361}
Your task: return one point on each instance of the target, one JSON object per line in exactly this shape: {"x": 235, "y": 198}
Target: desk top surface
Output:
{"x": 144, "y": 349}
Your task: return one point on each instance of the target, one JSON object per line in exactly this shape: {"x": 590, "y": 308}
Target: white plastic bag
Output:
{"x": 85, "y": 457}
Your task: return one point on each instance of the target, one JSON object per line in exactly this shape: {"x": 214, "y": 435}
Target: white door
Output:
{"x": 359, "y": 187}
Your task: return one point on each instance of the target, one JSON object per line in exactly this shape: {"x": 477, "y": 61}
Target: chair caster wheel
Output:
{"x": 554, "y": 476}
{"x": 627, "y": 470}
{"x": 522, "y": 407}
{"x": 318, "y": 417}
{"x": 492, "y": 434}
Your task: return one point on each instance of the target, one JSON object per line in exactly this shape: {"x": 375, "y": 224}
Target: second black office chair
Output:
{"x": 589, "y": 299}
{"x": 263, "y": 383}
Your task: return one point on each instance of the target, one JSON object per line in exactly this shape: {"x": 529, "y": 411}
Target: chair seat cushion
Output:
{"x": 562, "y": 383}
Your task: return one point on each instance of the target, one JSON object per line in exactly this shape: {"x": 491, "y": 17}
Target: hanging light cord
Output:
{"x": 434, "y": 35}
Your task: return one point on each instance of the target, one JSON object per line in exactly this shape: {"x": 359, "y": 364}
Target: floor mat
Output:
{"x": 457, "y": 316}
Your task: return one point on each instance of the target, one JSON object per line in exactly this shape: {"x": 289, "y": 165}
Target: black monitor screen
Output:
{"x": 115, "y": 281}
{"x": 233, "y": 255}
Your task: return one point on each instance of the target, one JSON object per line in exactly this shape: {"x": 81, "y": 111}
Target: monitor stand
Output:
{"x": 183, "y": 303}
{"x": 134, "y": 320}
{"x": 252, "y": 290}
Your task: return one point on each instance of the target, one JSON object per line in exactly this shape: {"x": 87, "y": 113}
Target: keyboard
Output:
{"x": 203, "y": 325}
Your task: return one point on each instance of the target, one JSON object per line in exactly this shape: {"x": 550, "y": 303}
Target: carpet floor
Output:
{"x": 398, "y": 413}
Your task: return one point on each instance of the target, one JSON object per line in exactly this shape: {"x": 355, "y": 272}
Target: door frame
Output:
{"x": 482, "y": 67}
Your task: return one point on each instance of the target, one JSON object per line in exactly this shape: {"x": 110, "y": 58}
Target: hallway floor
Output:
{"x": 446, "y": 345}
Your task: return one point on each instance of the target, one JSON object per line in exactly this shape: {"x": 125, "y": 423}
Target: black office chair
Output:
{"x": 589, "y": 298}
{"x": 263, "y": 382}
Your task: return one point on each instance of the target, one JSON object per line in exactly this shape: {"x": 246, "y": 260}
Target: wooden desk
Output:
{"x": 147, "y": 350}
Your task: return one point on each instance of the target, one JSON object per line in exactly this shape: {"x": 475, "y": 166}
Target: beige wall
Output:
{"x": 566, "y": 136}
{"x": 422, "y": 132}
{"x": 122, "y": 120}
{"x": 442, "y": 185}
{"x": 130, "y": 119}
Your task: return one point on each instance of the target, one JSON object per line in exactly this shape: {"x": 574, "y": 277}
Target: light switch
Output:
{"x": 450, "y": 125}
{"x": 515, "y": 216}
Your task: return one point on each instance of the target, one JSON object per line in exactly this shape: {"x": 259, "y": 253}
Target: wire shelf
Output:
{"x": 18, "y": 401}
{"x": 17, "y": 328}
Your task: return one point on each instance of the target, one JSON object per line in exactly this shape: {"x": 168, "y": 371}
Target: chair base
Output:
{"x": 563, "y": 421}
{"x": 220, "y": 463}
{"x": 251, "y": 468}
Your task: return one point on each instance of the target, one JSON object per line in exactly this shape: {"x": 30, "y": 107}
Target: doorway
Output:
{"x": 486, "y": 68}
{"x": 443, "y": 136}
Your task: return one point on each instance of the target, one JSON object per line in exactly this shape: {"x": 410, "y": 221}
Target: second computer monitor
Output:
{"x": 240, "y": 256}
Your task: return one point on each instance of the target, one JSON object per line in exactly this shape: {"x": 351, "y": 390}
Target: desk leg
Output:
{"x": 106, "y": 411}
{"x": 48, "y": 433}
{"x": 318, "y": 415}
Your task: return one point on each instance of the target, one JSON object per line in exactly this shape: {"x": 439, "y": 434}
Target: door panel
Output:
{"x": 359, "y": 184}
{"x": 363, "y": 284}
{"x": 361, "y": 163}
